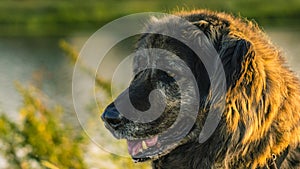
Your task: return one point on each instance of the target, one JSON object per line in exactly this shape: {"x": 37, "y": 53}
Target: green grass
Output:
{"x": 58, "y": 18}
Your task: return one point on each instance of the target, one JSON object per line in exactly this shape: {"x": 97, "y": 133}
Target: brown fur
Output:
{"x": 265, "y": 99}
{"x": 262, "y": 111}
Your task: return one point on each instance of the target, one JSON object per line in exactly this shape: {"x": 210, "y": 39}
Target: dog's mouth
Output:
{"x": 154, "y": 147}
{"x": 143, "y": 148}
{"x": 149, "y": 149}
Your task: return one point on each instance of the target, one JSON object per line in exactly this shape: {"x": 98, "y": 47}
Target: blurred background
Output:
{"x": 39, "y": 44}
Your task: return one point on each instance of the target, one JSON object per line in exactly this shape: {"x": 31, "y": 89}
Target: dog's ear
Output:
{"x": 233, "y": 53}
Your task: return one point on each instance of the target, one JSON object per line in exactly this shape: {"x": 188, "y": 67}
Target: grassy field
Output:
{"x": 59, "y": 18}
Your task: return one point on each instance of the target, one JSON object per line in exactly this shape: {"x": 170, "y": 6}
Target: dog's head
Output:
{"x": 168, "y": 99}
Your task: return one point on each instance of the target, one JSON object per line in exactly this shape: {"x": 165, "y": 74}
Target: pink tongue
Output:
{"x": 135, "y": 146}
{"x": 151, "y": 141}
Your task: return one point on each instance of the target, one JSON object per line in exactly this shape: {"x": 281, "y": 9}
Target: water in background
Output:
{"x": 36, "y": 61}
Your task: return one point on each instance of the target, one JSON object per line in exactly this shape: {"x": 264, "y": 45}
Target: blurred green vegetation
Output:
{"x": 63, "y": 17}
{"x": 40, "y": 140}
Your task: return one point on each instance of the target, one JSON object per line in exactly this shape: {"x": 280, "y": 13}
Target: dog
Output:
{"x": 259, "y": 124}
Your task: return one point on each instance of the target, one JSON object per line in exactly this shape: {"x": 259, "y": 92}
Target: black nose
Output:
{"x": 112, "y": 117}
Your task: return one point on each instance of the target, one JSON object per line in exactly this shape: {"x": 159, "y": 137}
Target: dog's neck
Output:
{"x": 187, "y": 156}
{"x": 195, "y": 155}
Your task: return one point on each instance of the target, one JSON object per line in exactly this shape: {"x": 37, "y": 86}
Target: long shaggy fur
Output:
{"x": 261, "y": 118}
{"x": 262, "y": 114}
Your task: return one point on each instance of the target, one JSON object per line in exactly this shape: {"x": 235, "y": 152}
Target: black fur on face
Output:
{"x": 148, "y": 79}
{"x": 139, "y": 90}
